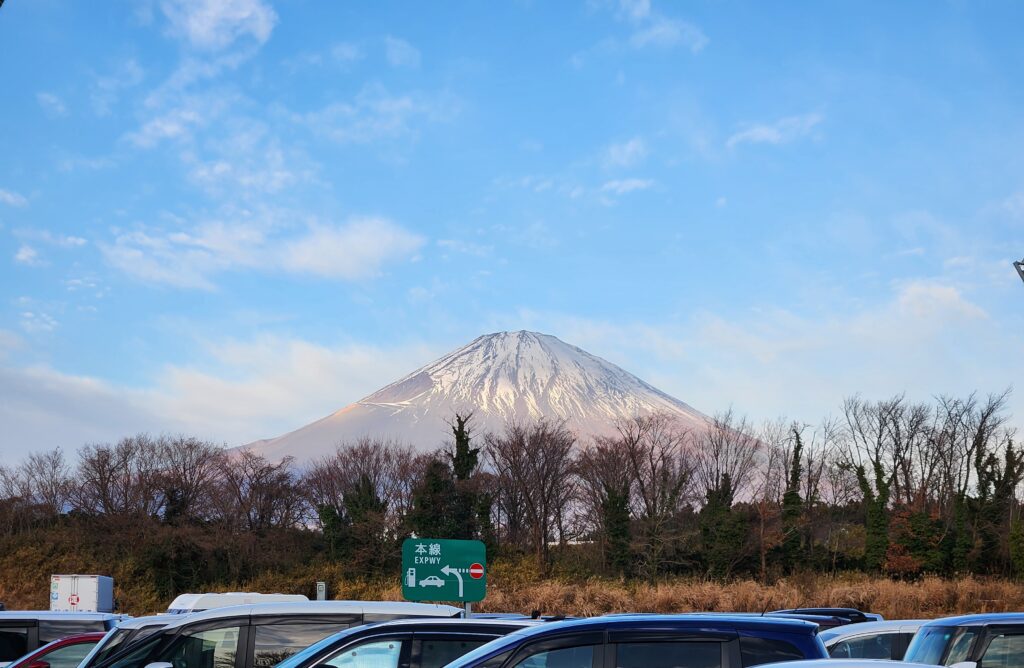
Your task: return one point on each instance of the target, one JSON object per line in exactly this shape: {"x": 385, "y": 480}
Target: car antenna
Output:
{"x": 766, "y": 606}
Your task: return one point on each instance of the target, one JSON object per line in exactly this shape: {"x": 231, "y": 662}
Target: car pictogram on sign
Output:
{"x": 432, "y": 581}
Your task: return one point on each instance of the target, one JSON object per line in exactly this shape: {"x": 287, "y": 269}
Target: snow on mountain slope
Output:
{"x": 508, "y": 375}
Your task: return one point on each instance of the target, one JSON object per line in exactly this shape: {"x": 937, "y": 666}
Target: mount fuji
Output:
{"x": 498, "y": 377}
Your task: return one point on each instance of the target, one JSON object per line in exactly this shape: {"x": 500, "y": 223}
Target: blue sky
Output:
{"x": 233, "y": 217}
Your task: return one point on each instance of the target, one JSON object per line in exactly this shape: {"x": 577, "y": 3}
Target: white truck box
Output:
{"x": 81, "y": 593}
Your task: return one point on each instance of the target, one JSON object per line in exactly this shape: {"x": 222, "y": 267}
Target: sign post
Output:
{"x": 435, "y": 569}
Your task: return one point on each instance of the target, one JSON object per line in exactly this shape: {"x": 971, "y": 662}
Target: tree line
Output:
{"x": 888, "y": 486}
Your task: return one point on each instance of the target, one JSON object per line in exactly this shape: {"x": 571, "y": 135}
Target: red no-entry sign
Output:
{"x": 476, "y": 571}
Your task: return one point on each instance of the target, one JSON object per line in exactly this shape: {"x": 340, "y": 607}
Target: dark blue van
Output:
{"x": 652, "y": 641}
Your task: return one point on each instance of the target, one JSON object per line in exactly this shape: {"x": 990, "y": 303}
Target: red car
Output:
{"x": 64, "y": 653}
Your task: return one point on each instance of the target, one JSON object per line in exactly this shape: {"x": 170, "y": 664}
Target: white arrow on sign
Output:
{"x": 448, "y": 570}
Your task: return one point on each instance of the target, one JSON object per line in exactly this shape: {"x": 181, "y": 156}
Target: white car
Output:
{"x": 871, "y": 640}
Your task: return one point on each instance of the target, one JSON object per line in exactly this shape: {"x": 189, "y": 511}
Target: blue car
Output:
{"x": 652, "y": 641}
{"x": 994, "y": 640}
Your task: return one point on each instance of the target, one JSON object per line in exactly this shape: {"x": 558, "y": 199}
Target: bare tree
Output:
{"x": 188, "y": 474}
{"x": 118, "y": 479}
{"x": 256, "y": 494}
{"x": 727, "y": 449}
{"x": 533, "y": 463}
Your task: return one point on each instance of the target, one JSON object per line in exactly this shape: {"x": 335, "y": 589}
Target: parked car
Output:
{"x": 994, "y": 640}
{"x": 247, "y": 636}
{"x": 64, "y": 653}
{"x": 127, "y": 631}
{"x": 871, "y": 640}
{"x": 24, "y": 631}
{"x": 186, "y": 603}
{"x": 651, "y": 641}
{"x": 411, "y": 643}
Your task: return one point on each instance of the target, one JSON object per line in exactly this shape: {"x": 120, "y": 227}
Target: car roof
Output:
{"x": 49, "y": 615}
{"x": 711, "y": 623}
{"x": 317, "y": 608}
{"x": 187, "y": 602}
{"x": 862, "y": 628}
{"x": 979, "y": 619}
{"x": 151, "y": 620}
{"x": 427, "y": 622}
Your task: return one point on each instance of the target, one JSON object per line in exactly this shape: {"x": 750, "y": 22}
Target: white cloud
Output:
{"x": 624, "y": 186}
{"x": 36, "y": 322}
{"x": 374, "y": 114}
{"x": 626, "y": 154}
{"x": 216, "y": 24}
{"x": 401, "y": 53}
{"x": 355, "y": 250}
{"x": 11, "y": 198}
{"x": 238, "y": 392}
{"x": 665, "y": 33}
{"x": 926, "y": 300}
{"x": 52, "y": 105}
{"x": 346, "y": 52}
{"x": 52, "y": 238}
{"x": 465, "y": 247}
{"x": 782, "y": 131}
{"x": 28, "y": 256}
{"x": 106, "y": 89}
{"x": 179, "y": 121}
{"x": 925, "y": 338}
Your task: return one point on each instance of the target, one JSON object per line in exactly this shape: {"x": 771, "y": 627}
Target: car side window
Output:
{"x": 276, "y": 642}
{"x": 13, "y": 643}
{"x": 581, "y": 656}
{"x": 960, "y": 650}
{"x": 213, "y": 648}
{"x": 68, "y": 656}
{"x": 373, "y": 654}
{"x": 50, "y": 629}
{"x": 1004, "y": 651}
{"x": 755, "y": 651}
{"x": 438, "y": 653}
{"x": 877, "y": 646}
{"x": 698, "y": 654}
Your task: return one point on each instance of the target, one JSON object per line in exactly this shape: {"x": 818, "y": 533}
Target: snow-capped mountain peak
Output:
{"x": 498, "y": 377}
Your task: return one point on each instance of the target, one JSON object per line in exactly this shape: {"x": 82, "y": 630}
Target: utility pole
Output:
{"x": 1019, "y": 266}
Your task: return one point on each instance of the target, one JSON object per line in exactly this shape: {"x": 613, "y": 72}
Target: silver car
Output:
{"x": 871, "y": 640}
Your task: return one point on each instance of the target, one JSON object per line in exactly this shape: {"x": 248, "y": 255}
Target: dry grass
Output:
{"x": 515, "y": 587}
{"x": 931, "y": 597}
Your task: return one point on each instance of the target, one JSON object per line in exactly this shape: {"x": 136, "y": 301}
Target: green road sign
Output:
{"x": 434, "y": 569}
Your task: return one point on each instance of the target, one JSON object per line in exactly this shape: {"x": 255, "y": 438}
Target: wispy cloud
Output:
{"x": 624, "y": 186}
{"x": 107, "y": 88}
{"x": 216, "y": 24}
{"x": 401, "y": 53}
{"x": 376, "y": 114}
{"x": 354, "y": 250}
{"x": 53, "y": 106}
{"x": 782, "y": 131}
{"x": 11, "y": 198}
{"x": 666, "y": 33}
{"x": 625, "y": 154}
{"x": 51, "y": 238}
{"x": 28, "y": 256}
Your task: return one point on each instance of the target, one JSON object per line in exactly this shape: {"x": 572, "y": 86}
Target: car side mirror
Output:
{"x": 160, "y": 664}
{"x": 966, "y": 664}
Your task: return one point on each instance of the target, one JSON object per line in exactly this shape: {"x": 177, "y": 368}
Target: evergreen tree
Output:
{"x": 723, "y": 532}
{"x": 465, "y": 510}
{"x": 876, "y": 521}
{"x": 615, "y": 519}
{"x": 367, "y": 511}
{"x": 431, "y": 514}
{"x": 792, "y": 507}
